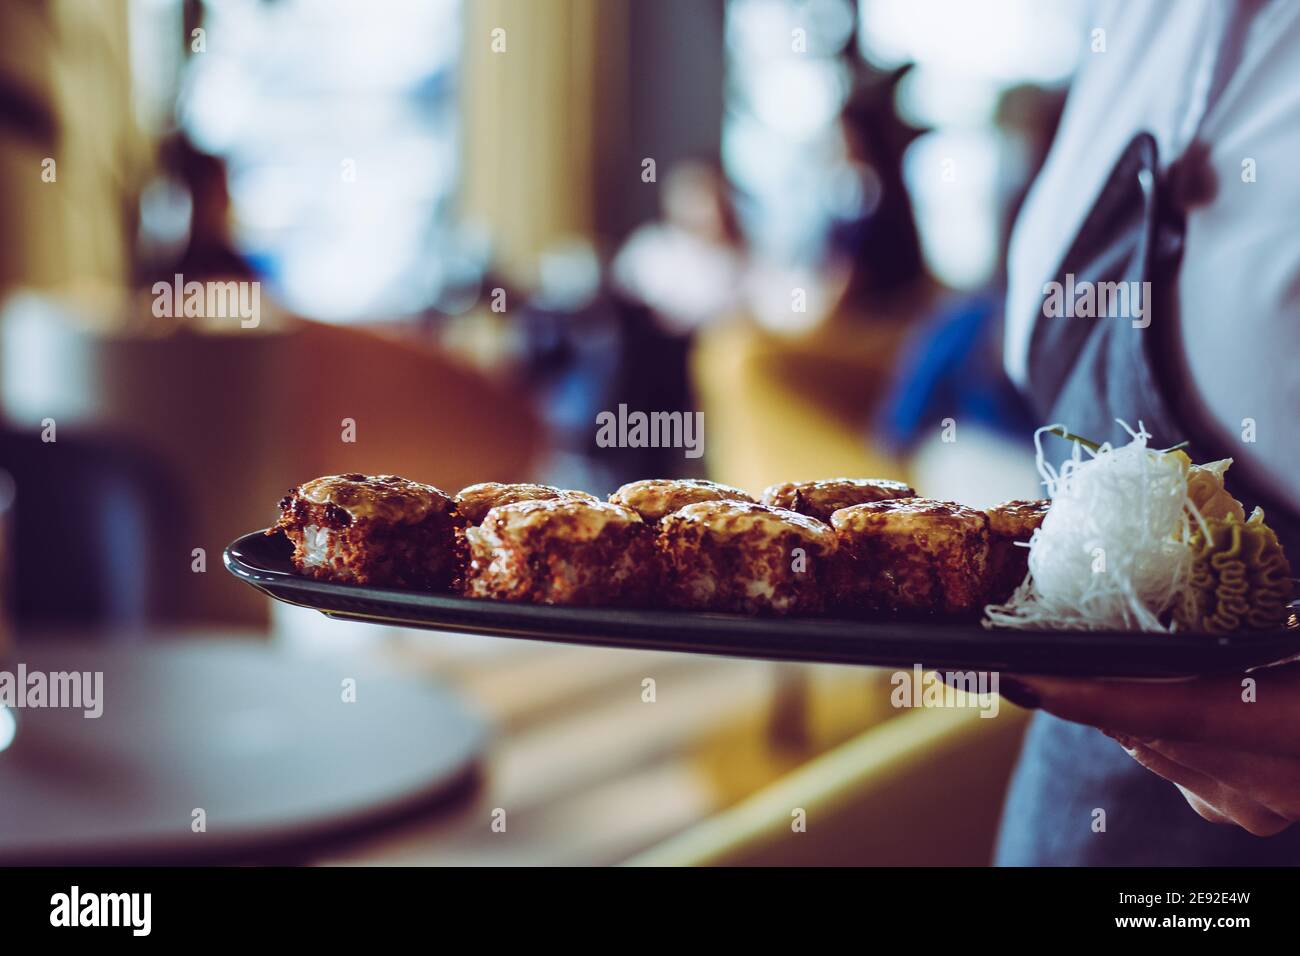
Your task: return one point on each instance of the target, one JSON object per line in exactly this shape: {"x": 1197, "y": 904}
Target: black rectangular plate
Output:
{"x": 263, "y": 561}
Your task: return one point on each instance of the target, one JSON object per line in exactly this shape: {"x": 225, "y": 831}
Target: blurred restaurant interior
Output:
{"x": 475, "y": 225}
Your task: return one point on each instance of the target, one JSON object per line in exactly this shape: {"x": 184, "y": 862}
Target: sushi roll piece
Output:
{"x": 744, "y": 557}
{"x": 561, "y": 551}
{"x": 821, "y": 499}
{"x": 1009, "y": 523}
{"x": 914, "y": 555}
{"x": 473, "y": 503}
{"x": 380, "y": 530}
{"x": 654, "y": 498}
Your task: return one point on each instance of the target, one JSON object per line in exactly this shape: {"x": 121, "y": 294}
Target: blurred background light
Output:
{"x": 1013, "y": 41}
{"x": 965, "y": 57}
{"x": 341, "y": 133}
{"x": 784, "y": 92}
{"x": 952, "y": 175}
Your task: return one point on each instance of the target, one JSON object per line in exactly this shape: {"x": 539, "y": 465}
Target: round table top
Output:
{"x": 259, "y": 745}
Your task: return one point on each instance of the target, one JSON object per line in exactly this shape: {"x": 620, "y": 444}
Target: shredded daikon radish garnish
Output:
{"x": 1113, "y": 551}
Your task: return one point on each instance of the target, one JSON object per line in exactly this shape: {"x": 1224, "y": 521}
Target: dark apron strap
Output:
{"x": 1088, "y": 372}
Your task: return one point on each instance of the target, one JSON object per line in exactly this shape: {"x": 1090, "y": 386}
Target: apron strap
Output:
{"x": 1114, "y": 245}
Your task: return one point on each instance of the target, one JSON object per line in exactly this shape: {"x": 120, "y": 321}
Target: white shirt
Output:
{"x": 1174, "y": 69}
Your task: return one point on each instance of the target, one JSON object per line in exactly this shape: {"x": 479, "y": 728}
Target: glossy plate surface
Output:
{"x": 263, "y": 561}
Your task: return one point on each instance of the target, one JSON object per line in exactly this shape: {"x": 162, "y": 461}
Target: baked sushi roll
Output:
{"x": 821, "y": 499}
{"x": 473, "y": 503}
{"x": 1009, "y": 523}
{"x": 654, "y": 498}
{"x": 380, "y": 530}
{"x": 914, "y": 555}
{"x": 561, "y": 551}
{"x": 744, "y": 557}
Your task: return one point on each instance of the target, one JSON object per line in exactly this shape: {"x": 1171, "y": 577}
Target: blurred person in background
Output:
{"x": 687, "y": 270}
{"x": 689, "y": 267}
{"x": 951, "y": 364}
{"x": 209, "y": 250}
{"x": 874, "y": 242}
{"x": 1174, "y": 164}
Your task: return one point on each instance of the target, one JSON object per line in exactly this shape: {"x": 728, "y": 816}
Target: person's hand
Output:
{"x": 1231, "y": 745}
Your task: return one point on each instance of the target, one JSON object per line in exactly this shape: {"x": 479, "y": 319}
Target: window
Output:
{"x": 338, "y": 122}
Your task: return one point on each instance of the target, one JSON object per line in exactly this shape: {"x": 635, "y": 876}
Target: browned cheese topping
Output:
{"x": 905, "y": 515}
{"x": 821, "y": 499}
{"x": 753, "y": 522}
{"x": 1017, "y": 519}
{"x": 473, "y": 503}
{"x": 557, "y": 518}
{"x": 653, "y": 498}
{"x": 339, "y": 500}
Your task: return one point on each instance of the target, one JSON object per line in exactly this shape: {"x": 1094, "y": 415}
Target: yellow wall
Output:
{"x": 71, "y": 59}
{"x": 533, "y": 116}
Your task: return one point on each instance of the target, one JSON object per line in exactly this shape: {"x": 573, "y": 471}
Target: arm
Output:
{"x": 1230, "y": 744}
